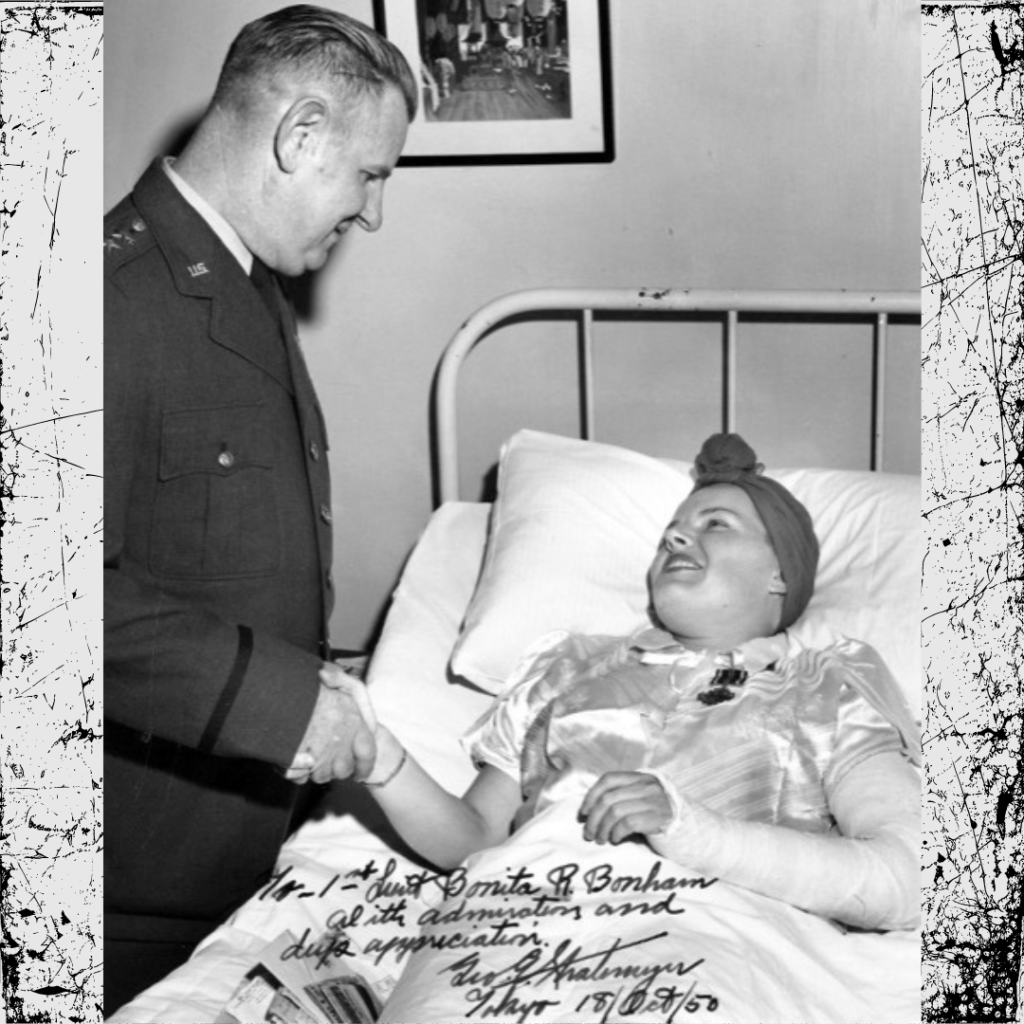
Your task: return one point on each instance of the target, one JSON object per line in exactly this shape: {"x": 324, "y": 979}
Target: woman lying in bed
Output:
{"x": 727, "y": 746}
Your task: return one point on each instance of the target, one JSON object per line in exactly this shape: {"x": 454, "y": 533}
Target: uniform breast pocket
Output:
{"x": 216, "y": 513}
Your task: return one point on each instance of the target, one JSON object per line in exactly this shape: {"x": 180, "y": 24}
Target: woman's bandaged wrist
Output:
{"x": 677, "y": 809}
{"x": 856, "y": 881}
{"x": 693, "y": 836}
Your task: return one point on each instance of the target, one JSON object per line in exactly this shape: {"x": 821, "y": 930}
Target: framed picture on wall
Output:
{"x": 505, "y": 81}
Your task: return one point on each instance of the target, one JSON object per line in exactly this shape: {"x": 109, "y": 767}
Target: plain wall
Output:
{"x": 760, "y": 145}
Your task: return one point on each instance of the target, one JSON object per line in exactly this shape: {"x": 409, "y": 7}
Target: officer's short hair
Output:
{"x": 322, "y": 43}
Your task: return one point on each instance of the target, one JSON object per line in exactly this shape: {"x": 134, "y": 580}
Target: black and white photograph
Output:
{"x": 513, "y": 567}
{"x": 558, "y": 470}
{"x": 524, "y": 82}
{"x": 496, "y": 62}
{"x": 590, "y": 591}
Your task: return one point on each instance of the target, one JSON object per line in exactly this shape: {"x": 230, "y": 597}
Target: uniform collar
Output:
{"x": 220, "y": 227}
{"x": 198, "y": 259}
{"x": 659, "y": 647}
{"x": 204, "y": 268}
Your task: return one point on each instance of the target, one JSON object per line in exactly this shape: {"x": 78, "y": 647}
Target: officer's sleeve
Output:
{"x": 177, "y": 672}
{"x": 171, "y": 669}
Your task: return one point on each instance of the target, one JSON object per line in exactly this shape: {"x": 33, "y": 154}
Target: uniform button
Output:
{"x": 138, "y": 225}
{"x": 329, "y": 580}
{"x": 314, "y": 451}
{"x": 325, "y": 514}
{"x": 226, "y": 459}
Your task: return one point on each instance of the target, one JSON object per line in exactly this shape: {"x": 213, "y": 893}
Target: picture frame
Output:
{"x": 505, "y": 81}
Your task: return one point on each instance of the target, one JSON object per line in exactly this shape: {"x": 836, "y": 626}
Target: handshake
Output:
{"x": 343, "y": 739}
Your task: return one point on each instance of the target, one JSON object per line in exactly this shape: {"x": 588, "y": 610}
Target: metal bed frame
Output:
{"x": 875, "y": 307}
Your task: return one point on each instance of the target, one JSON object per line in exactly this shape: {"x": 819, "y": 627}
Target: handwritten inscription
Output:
{"x": 642, "y": 1002}
{"x": 508, "y": 945}
{"x": 499, "y": 992}
{"x": 603, "y": 879}
{"x": 323, "y": 949}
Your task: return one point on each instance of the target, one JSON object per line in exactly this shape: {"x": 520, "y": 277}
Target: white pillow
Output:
{"x": 576, "y": 523}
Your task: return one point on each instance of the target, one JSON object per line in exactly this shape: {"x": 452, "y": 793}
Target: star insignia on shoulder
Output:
{"x": 124, "y": 237}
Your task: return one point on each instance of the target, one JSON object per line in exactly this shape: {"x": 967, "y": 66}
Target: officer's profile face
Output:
{"x": 339, "y": 183}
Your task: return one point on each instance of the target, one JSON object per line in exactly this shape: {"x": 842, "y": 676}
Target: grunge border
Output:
{"x": 972, "y": 249}
{"x": 51, "y": 430}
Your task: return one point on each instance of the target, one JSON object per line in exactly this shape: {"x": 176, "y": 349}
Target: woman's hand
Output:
{"x": 622, "y": 804}
{"x": 343, "y": 710}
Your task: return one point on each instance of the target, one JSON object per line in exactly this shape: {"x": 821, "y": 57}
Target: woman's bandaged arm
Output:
{"x": 868, "y": 877}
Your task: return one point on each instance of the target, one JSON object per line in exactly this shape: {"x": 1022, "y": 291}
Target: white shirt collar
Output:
{"x": 659, "y": 647}
{"x": 221, "y": 228}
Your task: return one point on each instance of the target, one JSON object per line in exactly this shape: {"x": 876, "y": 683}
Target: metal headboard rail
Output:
{"x": 878, "y": 306}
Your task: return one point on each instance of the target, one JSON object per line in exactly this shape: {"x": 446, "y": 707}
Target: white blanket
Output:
{"x": 550, "y": 927}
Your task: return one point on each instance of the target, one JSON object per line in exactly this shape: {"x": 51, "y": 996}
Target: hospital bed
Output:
{"x": 565, "y": 545}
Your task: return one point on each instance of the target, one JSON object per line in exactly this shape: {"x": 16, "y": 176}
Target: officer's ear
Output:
{"x": 299, "y": 132}
{"x": 776, "y": 585}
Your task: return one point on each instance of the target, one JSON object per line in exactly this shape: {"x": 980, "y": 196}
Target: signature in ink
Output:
{"x": 496, "y": 992}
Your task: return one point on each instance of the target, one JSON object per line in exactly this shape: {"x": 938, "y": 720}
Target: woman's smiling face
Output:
{"x": 715, "y": 578}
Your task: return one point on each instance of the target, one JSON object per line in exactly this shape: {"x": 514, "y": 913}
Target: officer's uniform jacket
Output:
{"x": 217, "y": 569}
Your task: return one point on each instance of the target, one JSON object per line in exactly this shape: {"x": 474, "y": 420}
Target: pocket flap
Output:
{"x": 220, "y": 441}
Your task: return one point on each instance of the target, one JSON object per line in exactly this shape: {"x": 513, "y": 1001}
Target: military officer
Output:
{"x": 218, "y": 584}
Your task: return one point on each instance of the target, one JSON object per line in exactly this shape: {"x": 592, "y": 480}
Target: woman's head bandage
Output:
{"x": 728, "y": 459}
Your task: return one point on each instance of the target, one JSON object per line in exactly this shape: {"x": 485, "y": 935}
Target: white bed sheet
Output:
{"x": 641, "y": 938}
{"x": 343, "y": 852}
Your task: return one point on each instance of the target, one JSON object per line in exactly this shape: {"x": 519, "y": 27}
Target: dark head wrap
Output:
{"x": 728, "y": 459}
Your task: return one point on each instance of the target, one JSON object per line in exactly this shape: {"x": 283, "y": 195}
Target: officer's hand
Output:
{"x": 339, "y": 741}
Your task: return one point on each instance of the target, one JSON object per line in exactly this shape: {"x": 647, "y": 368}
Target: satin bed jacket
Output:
{"x": 217, "y": 556}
